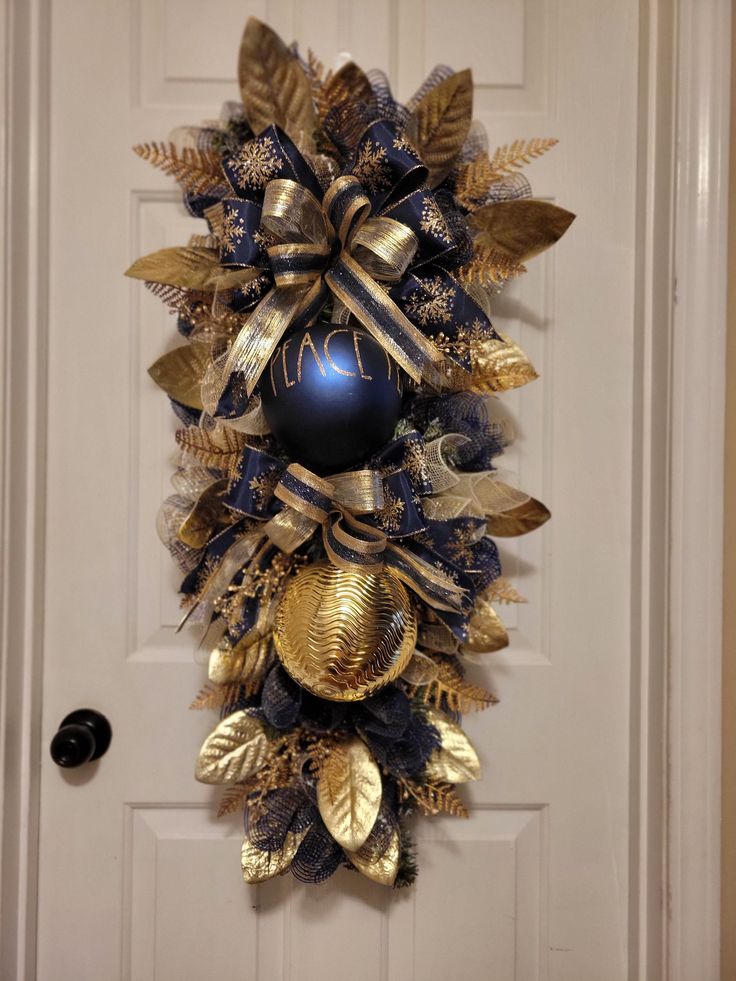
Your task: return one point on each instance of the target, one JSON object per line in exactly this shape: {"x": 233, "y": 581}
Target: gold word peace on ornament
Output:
{"x": 307, "y": 344}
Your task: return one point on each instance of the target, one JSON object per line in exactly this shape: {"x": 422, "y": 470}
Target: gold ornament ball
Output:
{"x": 343, "y": 635}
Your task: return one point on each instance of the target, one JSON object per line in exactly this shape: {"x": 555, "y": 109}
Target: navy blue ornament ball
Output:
{"x": 332, "y": 396}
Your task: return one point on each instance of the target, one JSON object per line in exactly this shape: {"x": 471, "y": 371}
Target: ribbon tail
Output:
{"x": 289, "y": 529}
{"x": 429, "y": 583}
{"x": 416, "y": 354}
{"x": 257, "y": 340}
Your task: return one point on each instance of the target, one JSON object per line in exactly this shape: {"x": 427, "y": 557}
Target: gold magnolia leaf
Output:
{"x": 349, "y": 793}
{"x": 380, "y": 868}
{"x": 440, "y": 123}
{"x": 220, "y": 448}
{"x": 208, "y": 514}
{"x": 180, "y": 373}
{"x": 234, "y": 750}
{"x": 273, "y": 85}
{"x": 259, "y": 865}
{"x": 338, "y": 97}
{"x": 455, "y": 761}
{"x": 229, "y": 664}
{"x": 517, "y": 521}
{"x": 522, "y": 228}
{"x": 499, "y": 365}
{"x": 193, "y": 269}
{"x": 348, "y": 84}
{"x": 486, "y": 632}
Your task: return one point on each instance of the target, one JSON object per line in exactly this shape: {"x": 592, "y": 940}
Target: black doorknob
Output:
{"x": 83, "y": 735}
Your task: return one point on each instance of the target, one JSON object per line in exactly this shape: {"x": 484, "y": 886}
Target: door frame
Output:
{"x": 679, "y": 399}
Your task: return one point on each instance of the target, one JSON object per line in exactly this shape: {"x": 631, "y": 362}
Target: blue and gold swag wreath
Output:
{"x": 336, "y": 498}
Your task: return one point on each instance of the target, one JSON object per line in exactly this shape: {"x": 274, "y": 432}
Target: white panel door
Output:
{"x": 138, "y": 879}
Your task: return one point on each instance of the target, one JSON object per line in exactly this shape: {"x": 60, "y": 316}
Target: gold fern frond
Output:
{"x": 199, "y": 171}
{"x": 440, "y": 798}
{"x": 474, "y": 178}
{"x": 203, "y": 242}
{"x": 196, "y": 308}
{"x": 502, "y": 591}
{"x": 489, "y": 267}
{"x": 317, "y": 80}
{"x": 232, "y": 800}
{"x": 451, "y": 691}
{"x": 514, "y": 156}
{"x": 220, "y": 448}
{"x": 214, "y": 696}
{"x": 172, "y": 296}
{"x": 472, "y": 182}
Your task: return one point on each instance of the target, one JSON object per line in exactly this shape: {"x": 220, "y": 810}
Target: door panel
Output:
{"x": 138, "y": 878}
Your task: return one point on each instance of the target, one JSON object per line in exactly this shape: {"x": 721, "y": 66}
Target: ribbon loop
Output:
{"x": 292, "y": 213}
{"x": 236, "y": 223}
{"x": 306, "y": 492}
{"x": 347, "y": 207}
{"x": 387, "y": 165}
{"x": 297, "y": 264}
{"x": 384, "y": 248}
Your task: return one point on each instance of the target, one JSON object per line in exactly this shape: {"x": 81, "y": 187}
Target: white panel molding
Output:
{"x": 696, "y": 488}
{"x": 169, "y": 933}
{"x": 24, "y": 34}
{"x": 650, "y": 479}
{"x": 677, "y": 582}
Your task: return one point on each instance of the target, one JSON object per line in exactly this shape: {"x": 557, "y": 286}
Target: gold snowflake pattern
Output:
{"x": 432, "y": 304}
{"x": 433, "y": 221}
{"x": 401, "y": 143}
{"x": 251, "y": 290}
{"x": 473, "y": 333}
{"x": 256, "y": 164}
{"x": 425, "y": 539}
{"x": 460, "y": 545}
{"x": 465, "y": 343}
{"x": 263, "y": 487}
{"x": 389, "y": 517}
{"x": 415, "y": 462}
{"x": 452, "y": 574}
{"x": 263, "y": 239}
{"x": 208, "y": 568}
{"x": 231, "y": 230}
{"x": 371, "y": 168}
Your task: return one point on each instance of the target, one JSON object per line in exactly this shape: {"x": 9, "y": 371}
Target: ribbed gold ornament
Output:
{"x": 343, "y": 635}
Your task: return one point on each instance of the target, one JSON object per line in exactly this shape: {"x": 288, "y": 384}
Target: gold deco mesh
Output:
{"x": 342, "y": 635}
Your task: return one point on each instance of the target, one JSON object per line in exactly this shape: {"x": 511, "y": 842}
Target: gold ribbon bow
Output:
{"x": 330, "y": 247}
{"x": 351, "y": 544}
{"x": 333, "y": 504}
